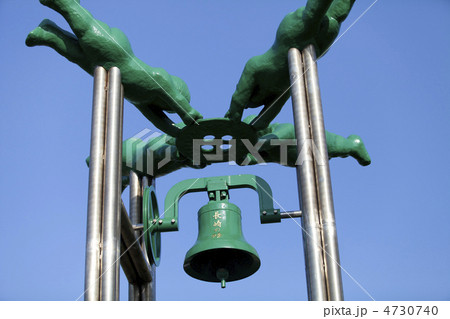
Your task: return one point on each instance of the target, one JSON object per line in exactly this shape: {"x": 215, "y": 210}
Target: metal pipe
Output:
{"x": 145, "y": 292}
{"x": 291, "y": 214}
{"x": 315, "y": 276}
{"x": 113, "y": 175}
{"x": 328, "y": 221}
{"x": 135, "y": 209}
{"x": 141, "y": 265}
{"x": 119, "y": 181}
{"x": 133, "y": 293}
{"x": 95, "y": 192}
{"x": 126, "y": 261}
{"x": 135, "y": 202}
{"x": 138, "y": 227}
{"x": 140, "y": 272}
{"x": 152, "y": 285}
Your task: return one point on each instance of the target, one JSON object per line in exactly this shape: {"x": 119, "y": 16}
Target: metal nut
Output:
{"x": 173, "y": 221}
{"x": 160, "y": 221}
{"x": 264, "y": 213}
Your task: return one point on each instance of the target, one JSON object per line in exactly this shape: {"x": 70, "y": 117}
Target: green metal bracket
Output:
{"x": 151, "y": 216}
{"x": 217, "y": 188}
{"x": 211, "y": 184}
{"x": 215, "y": 140}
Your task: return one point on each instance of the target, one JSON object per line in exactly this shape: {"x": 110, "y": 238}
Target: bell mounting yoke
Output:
{"x": 216, "y": 186}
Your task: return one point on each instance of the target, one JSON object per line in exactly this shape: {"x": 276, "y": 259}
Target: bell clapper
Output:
{"x": 222, "y": 275}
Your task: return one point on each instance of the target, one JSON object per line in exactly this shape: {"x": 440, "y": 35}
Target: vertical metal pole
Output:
{"x": 113, "y": 174}
{"x": 306, "y": 184}
{"x": 133, "y": 292}
{"x": 149, "y": 290}
{"x": 328, "y": 221}
{"x": 95, "y": 192}
{"x": 119, "y": 184}
{"x": 135, "y": 218}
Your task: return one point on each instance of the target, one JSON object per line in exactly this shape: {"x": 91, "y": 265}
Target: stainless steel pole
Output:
{"x": 119, "y": 183}
{"x": 113, "y": 175}
{"x": 126, "y": 261}
{"x": 135, "y": 218}
{"x": 326, "y": 206}
{"x": 95, "y": 193}
{"x": 306, "y": 184}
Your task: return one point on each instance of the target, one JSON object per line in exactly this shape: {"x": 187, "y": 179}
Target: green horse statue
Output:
{"x": 152, "y": 90}
{"x": 265, "y": 79}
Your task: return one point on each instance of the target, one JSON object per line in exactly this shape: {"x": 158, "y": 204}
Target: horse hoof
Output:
{"x": 359, "y": 151}
{"x": 191, "y": 117}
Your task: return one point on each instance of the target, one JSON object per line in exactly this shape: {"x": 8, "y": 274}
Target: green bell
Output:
{"x": 220, "y": 253}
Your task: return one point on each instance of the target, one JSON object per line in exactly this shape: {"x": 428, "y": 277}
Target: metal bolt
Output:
{"x": 264, "y": 213}
{"x": 154, "y": 221}
{"x": 173, "y": 221}
{"x": 275, "y": 211}
{"x": 160, "y": 221}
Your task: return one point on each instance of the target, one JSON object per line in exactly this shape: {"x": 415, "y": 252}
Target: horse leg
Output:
{"x": 63, "y": 42}
{"x": 270, "y": 111}
{"x": 79, "y": 19}
{"x": 339, "y": 146}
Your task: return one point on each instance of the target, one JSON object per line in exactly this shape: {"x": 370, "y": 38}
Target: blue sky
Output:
{"x": 386, "y": 80}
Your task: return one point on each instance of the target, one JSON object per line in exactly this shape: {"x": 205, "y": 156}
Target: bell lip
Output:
{"x": 194, "y": 274}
